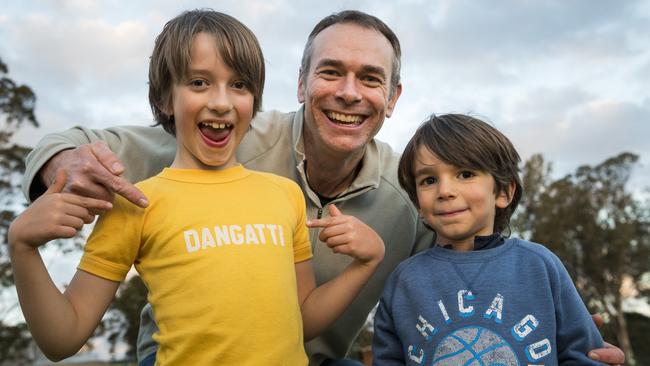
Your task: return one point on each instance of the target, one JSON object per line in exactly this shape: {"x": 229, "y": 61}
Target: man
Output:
{"x": 349, "y": 83}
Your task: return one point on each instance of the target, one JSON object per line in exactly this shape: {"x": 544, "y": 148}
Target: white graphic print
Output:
{"x": 221, "y": 235}
{"x": 477, "y": 345}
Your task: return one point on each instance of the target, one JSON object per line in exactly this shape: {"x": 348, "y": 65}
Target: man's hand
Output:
{"x": 348, "y": 235}
{"x": 52, "y": 216}
{"x": 610, "y": 354}
{"x": 93, "y": 171}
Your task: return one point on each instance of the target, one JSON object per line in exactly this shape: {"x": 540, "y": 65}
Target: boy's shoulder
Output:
{"x": 536, "y": 251}
{"x": 275, "y": 179}
{"x": 532, "y": 247}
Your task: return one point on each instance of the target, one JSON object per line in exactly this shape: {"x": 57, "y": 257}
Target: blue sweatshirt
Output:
{"x": 510, "y": 305}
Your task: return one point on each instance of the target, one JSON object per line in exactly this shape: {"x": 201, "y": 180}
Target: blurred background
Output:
{"x": 568, "y": 82}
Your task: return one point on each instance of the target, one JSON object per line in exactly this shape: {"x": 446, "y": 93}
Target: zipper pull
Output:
{"x": 320, "y": 213}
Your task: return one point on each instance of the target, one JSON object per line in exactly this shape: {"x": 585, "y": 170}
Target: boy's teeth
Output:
{"x": 344, "y": 118}
{"x": 216, "y": 125}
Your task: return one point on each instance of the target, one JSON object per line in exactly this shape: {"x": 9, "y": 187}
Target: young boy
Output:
{"x": 224, "y": 251}
{"x": 476, "y": 298}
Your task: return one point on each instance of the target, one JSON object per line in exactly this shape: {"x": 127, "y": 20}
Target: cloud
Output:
{"x": 542, "y": 72}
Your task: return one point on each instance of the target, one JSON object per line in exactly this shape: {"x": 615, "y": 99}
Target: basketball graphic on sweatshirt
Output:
{"x": 474, "y": 346}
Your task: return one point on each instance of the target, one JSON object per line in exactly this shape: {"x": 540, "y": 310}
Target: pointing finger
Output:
{"x": 127, "y": 190}
{"x": 334, "y": 211}
{"x": 59, "y": 183}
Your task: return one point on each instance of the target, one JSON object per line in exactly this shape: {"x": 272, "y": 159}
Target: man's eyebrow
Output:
{"x": 329, "y": 62}
{"x": 368, "y": 69}
{"x": 371, "y": 69}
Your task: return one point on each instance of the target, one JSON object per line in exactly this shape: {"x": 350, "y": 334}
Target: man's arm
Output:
{"x": 140, "y": 152}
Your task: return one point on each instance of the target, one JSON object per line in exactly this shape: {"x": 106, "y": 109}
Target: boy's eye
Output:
{"x": 197, "y": 83}
{"x": 239, "y": 85}
{"x": 427, "y": 181}
{"x": 466, "y": 174}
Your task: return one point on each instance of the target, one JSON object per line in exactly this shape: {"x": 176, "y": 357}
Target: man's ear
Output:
{"x": 393, "y": 100}
{"x": 301, "y": 89}
{"x": 505, "y": 196}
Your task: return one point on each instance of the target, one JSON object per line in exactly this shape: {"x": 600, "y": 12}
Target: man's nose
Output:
{"x": 348, "y": 90}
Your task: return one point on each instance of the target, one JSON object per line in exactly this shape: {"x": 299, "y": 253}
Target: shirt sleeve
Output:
{"x": 144, "y": 151}
{"x": 576, "y": 332}
{"x": 301, "y": 244}
{"x": 113, "y": 246}
{"x": 387, "y": 348}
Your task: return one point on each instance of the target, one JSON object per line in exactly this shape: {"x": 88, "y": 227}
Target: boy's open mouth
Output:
{"x": 345, "y": 119}
{"x": 215, "y": 131}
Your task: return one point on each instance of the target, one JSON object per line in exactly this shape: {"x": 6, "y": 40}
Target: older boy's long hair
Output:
{"x": 466, "y": 142}
{"x": 170, "y": 61}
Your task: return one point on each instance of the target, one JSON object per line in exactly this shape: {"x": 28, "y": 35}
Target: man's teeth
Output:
{"x": 345, "y": 118}
{"x": 216, "y": 125}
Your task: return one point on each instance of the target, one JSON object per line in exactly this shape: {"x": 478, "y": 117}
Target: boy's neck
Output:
{"x": 476, "y": 243}
{"x": 196, "y": 164}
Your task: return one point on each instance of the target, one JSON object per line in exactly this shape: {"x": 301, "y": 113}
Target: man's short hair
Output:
{"x": 361, "y": 19}
{"x": 170, "y": 60}
{"x": 466, "y": 142}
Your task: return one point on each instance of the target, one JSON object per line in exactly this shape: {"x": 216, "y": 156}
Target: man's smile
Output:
{"x": 344, "y": 118}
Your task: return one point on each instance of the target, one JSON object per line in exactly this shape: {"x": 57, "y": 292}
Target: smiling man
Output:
{"x": 349, "y": 83}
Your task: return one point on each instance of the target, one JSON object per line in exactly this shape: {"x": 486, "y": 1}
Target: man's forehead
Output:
{"x": 342, "y": 36}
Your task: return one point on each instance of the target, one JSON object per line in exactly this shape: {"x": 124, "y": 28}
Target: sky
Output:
{"x": 568, "y": 79}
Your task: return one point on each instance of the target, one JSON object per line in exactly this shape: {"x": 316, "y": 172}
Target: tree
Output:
{"x": 17, "y": 104}
{"x": 595, "y": 225}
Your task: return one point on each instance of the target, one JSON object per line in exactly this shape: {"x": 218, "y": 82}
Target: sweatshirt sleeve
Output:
{"x": 144, "y": 151}
{"x": 576, "y": 332}
{"x": 387, "y": 348}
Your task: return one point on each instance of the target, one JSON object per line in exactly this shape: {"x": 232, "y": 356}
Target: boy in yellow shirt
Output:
{"x": 224, "y": 251}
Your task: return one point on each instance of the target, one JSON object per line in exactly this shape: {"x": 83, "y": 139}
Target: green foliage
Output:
{"x": 17, "y": 104}
{"x": 14, "y": 341}
{"x": 595, "y": 225}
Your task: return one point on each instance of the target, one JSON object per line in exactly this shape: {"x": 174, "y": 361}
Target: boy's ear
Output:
{"x": 167, "y": 109}
{"x": 505, "y": 196}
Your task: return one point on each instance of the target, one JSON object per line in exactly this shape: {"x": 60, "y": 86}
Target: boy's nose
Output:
{"x": 348, "y": 90}
{"x": 219, "y": 102}
{"x": 446, "y": 189}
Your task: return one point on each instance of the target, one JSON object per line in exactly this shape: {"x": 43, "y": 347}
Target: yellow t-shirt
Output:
{"x": 217, "y": 251}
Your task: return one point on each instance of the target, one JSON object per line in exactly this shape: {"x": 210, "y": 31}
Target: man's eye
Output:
{"x": 328, "y": 72}
{"x": 372, "y": 80}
